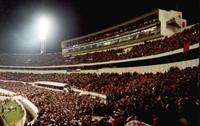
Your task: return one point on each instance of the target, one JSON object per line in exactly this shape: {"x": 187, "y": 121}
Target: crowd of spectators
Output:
{"x": 55, "y": 108}
{"x": 174, "y": 42}
{"x": 31, "y": 59}
{"x": 160, "y": 99}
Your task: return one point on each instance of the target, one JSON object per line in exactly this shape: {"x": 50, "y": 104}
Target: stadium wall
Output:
{"x": 139, "y": 69}
{"x": 154, "y": 63}
{"x": 147, "y": 69}
{"x": 181, "y": 50}
{"x": 32, "y": 71}
{"x": 29, "y": 106}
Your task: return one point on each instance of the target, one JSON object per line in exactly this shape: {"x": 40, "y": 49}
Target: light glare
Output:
{"x": 43, "y": 27}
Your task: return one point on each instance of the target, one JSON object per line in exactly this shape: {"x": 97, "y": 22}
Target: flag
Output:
{"x": 186, "y": 47}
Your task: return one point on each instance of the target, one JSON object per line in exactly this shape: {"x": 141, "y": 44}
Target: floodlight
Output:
{"x": 43, "y": 28}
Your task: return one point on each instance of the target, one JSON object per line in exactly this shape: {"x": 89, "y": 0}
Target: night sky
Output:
{"x": 74, "y": 18}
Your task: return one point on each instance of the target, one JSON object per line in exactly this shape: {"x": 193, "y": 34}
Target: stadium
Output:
{"x": 140, "y": 72}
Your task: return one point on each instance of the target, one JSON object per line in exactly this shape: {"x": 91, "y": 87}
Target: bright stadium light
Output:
{"x": 44, "y": 25}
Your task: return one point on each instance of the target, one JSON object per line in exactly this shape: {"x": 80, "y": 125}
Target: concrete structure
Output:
{"x": 155, "y": 24}
{"x": 62, "y": 68}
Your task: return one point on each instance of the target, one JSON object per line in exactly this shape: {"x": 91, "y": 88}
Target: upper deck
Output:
{"x": 152, "y": 25}
{"x": 114, "y": 31}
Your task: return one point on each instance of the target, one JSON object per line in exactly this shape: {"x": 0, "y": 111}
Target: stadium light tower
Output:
{"x": 43, "y": 31}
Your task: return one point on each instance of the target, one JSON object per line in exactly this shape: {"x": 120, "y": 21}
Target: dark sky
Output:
{"x": 74, "y": 18}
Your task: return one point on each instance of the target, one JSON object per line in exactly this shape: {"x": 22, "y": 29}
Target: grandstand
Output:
{"x": 152, "y": 25}
{"x": 135, "y": 73}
